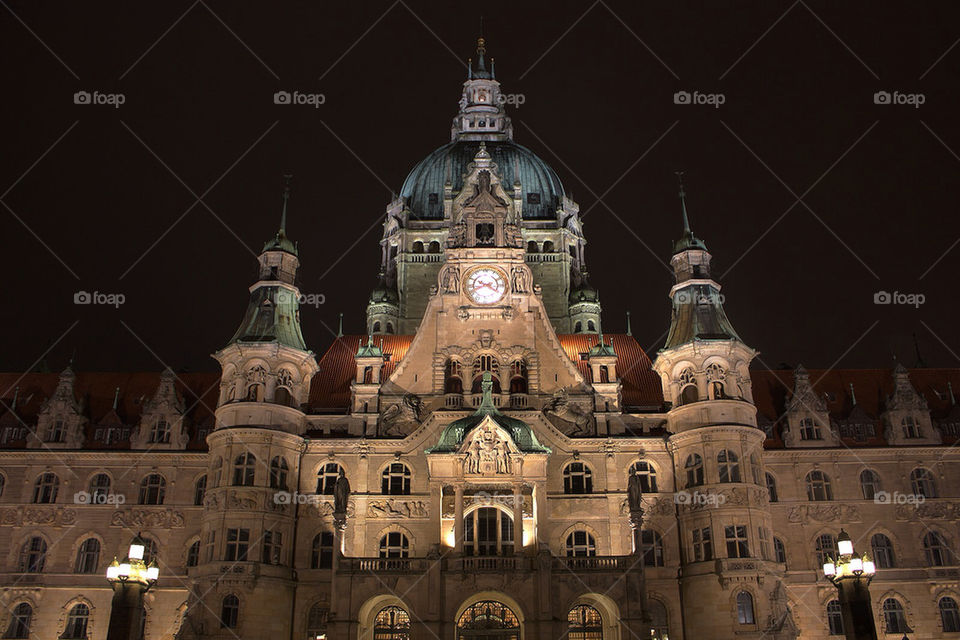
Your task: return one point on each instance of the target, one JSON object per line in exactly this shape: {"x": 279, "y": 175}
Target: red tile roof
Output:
{"x": 330, "y": 388}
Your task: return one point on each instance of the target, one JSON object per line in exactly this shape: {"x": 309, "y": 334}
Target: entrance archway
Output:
{"x": 488, "y": 620}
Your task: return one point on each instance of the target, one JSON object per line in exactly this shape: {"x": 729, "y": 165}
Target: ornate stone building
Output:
{"x": 514, "y": 472}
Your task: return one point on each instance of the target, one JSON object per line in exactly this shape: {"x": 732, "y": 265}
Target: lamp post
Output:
{"x": 851, "y": 574}
{"x": 130, "y": 578}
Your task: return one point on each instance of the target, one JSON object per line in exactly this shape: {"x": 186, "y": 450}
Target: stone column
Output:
{"x": 517, "y": 520}
{"x": 458, "y": 519}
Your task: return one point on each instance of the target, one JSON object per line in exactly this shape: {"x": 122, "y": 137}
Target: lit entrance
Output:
{"x": 487, "y": 531}
{"x": 488, "y": 620}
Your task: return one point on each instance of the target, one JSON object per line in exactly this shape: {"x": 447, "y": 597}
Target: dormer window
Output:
{"x": 910, "y": 428}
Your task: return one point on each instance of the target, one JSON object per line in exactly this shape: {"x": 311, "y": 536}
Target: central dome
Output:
{"x": 423, "y": 189}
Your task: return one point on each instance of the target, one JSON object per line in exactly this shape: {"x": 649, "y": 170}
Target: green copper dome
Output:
{"x": 423, "y": 188}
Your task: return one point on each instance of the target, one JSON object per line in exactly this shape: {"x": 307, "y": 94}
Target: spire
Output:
{"x": 16, "y": 394}
{"x": 921, "y": 364}
{"x": 369, "y": 350}
{"x": 116, "y": 398}
{"x": 481, "y": 71}
{"x": 340, "y": 327}
{"x": 629, "y": 332}
{"x": 853, "y": 395}
{"x": 482, "y": 114}
{"x": 953, "y": 400}
{"x": 687, "y": 240}
{"x": 280, "y": 242}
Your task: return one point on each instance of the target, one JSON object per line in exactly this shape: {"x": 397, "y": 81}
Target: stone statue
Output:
{"x": 574, "y": 422}
{"x": 635, "y": 493}
{"x": 341, "y": 494}
{"x": 402, "y": 418}
{"x": 519, "y": 280}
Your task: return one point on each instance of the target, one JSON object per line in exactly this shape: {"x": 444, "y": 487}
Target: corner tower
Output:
{"x": 418, "y": 222}
{"x": 255, "y": 450}
{"x": 723, "y": 512}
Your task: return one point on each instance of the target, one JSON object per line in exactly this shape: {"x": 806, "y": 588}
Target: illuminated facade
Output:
{"x": 488, "y": 429}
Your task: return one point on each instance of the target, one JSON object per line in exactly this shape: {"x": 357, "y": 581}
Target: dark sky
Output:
{"x": 107, "y": 192}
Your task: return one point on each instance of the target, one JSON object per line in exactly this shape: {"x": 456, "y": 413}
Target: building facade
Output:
{"x": 463, "y": 468}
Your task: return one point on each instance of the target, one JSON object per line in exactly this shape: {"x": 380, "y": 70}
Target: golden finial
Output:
{"x": 481, "y": 46}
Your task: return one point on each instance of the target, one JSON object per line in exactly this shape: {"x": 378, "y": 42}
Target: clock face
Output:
{"x": 485, "y": 286}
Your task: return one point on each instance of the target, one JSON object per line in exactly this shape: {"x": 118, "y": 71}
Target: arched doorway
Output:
{"x": 487, "y": 531}
{"x": 488, "y": 620}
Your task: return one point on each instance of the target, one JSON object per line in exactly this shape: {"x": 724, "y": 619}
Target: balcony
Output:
{"x": 596, "y": 563}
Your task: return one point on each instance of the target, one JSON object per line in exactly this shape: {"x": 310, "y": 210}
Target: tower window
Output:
{"x": 484, "y": 233}
{"x": 591, "y": 326}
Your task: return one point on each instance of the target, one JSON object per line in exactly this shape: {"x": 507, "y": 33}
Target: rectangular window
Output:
{"x": 763, "y": 534}
{"x": 238, "y": 540}
{"x": 211, "y": 543}
{"x": 272, "y": 547}
{"x": 736, "y": 537}
{"x": 702, "y": 545}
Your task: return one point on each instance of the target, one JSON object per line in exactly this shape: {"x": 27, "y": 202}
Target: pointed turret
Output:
{"x": 697, "y": 304}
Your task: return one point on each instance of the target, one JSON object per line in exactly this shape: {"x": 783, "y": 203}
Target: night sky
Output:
{"x": 105, "y": 199}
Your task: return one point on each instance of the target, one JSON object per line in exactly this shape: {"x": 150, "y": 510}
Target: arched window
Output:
{"x": 45, "y": 488}
{"x": 434, "y": 247}
{"x": 394, "y": 545}
{"x": 532, "y": 247}
{"x": 728, "y": 466}
{"x": 869, "y": 484}
{"x": 584, "y": 623}
{"x": 452, "y": 377}
{"x": 193, "y": 554}
{"x": 810, "y": 430}
{"x": 949, "y": 615}
{"x": 578, "y": 328}
{"x": 417, "y": 247}
{"x": 716, "y": 377}
{"x": 327, "y": 478}
{"x": 772, "y": 488}
{"x": 200, "y": 491}
{"x": 20, "y": 622}
{"x": 321, "y": 555}
{"x": 244, "y": 470}
{"x": 835, "y": 618}
{"x": 910, "y": 428}
{"x": 651, "y": 546}
{"x": 376, "y": 327}
{"x": 317, "y": 621}
{"x": 487, "y": 531}
{"x": 482, "y": 364}
{"x": 921, "y": 481}
{"x": 99, "y": 488}
{"x": 826, "y": 548}
{"x": 648, "y": 475}
{"x": 580, "y": 544}
{"x": 278, "y": 473}
{"x": 283, "y": 395}
{"x": 160, "y": 433}
{"x": 3, "y": 483}
{"x": 395, "y": 480}
{"x": 389, "y": 327}
{"x": 779, "y": 551}
{"x": 591, "y": 326}
{"x": 818, "y": 486}
{"x": 391, "y": 623}
{"x": 687, "y": 382}
{"x": 745, "y": 608}
{"x": 893, "y": 618}
{"x": 547, "y": 246}
{"x": 33, "y": 555}
{"x": 882, "y": 550}
{"x": 77, "y": 621}
{"x": 577, "y": 478}
{"x": 518, "y": 376}
{"x": 88, "y": 556}
{"x": 229, "y": 612}
{"x": 659, "y": 622}
{"x": 488, "y": 618}
{"x": 936, "y": 550}
{"x": 694, "y": 469}
{"x": 152, "y": 489}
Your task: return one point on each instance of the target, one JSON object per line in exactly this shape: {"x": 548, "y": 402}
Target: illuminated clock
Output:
{"x": 485, "y": 286}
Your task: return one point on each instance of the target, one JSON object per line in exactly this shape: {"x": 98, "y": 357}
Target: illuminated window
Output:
{"x": 394, "y": 545}
{"x": 391, "y": 623}
{"x": 580, "y": 544}
{"x": 584, "y": 623}
{"x": 488, "y": 619}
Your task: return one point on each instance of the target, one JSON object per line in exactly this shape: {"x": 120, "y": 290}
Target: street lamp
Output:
{"x": 130, "y": 578}
{"x": 851, "y": 574}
